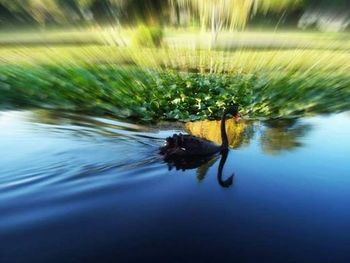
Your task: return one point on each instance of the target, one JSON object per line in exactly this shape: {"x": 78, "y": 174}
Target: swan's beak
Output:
{"x": 237, "y": 117}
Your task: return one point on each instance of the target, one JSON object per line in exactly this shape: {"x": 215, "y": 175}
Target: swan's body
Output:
{"x": 188, "y": 145}
{"x": 202, "y": 163}
{"x": 180, "y": 146}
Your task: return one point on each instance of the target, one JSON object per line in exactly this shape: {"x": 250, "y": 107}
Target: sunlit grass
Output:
{"x": 248, "y": 51}
{"x": 180, "y": 37}
{"x": 304, "y": 60}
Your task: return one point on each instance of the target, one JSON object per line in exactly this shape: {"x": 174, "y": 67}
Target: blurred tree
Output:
{"x": 326, "y": 15}
{"x": 101, "y": 11}
{"x": 213, "y": 14}
{"x": 5, "y": 14}
{"x": 13, "y": 5}
{"x": 14, "y": 12}
{"x": 278, "y": 6}
{"x": 46, "y": 10}
{"x": 41, "y": 11}
{"x": 71, "y": 9}
{"x": 231, "y": 14}
{"x": 84, "y": 9}
{"x": 145, "y": 11}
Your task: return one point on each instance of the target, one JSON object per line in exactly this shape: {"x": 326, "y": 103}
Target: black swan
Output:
{"x": 180, "y": 145}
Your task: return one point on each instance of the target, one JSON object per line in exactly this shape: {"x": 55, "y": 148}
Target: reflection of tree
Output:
{"x": 203, "y": 169}
{"x": 47, "y": 117}
{"x": 277, "y": 135}
{"x": 282, "y": 135}
{"x": 237, "y": 133}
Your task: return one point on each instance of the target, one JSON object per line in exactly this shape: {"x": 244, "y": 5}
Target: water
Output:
{"x": 84, "y": 189}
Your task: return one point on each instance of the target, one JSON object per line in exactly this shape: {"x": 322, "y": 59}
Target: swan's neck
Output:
{"x": 224, "y": 140}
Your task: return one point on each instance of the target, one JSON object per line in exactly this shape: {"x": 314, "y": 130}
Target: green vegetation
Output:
{"x": 152, "y": 95}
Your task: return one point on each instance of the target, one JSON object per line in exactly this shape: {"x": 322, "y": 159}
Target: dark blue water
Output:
{"x": 84, "y": 189}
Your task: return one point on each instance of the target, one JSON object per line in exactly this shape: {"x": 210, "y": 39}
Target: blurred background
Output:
{"x": 89, "y": 90}
{"x": 176, "y": 59}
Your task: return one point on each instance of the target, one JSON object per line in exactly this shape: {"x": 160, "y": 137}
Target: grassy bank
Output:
{"x": 153, "y": 95}
{"x": 184, "y": 59}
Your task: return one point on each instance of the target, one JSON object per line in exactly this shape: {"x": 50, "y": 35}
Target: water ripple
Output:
{"x": 54, "y": 149}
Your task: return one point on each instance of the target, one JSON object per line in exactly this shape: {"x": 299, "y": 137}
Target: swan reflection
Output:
{"x": 202, "y": 164}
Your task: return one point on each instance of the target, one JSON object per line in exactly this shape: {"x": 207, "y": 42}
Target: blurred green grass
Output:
{"x": 184, "y": 58}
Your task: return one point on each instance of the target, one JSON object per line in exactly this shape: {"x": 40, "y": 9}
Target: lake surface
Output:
{"x": 86, "y": 189}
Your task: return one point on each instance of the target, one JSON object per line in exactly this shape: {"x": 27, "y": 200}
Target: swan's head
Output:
{"x": 233, "y": 110}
